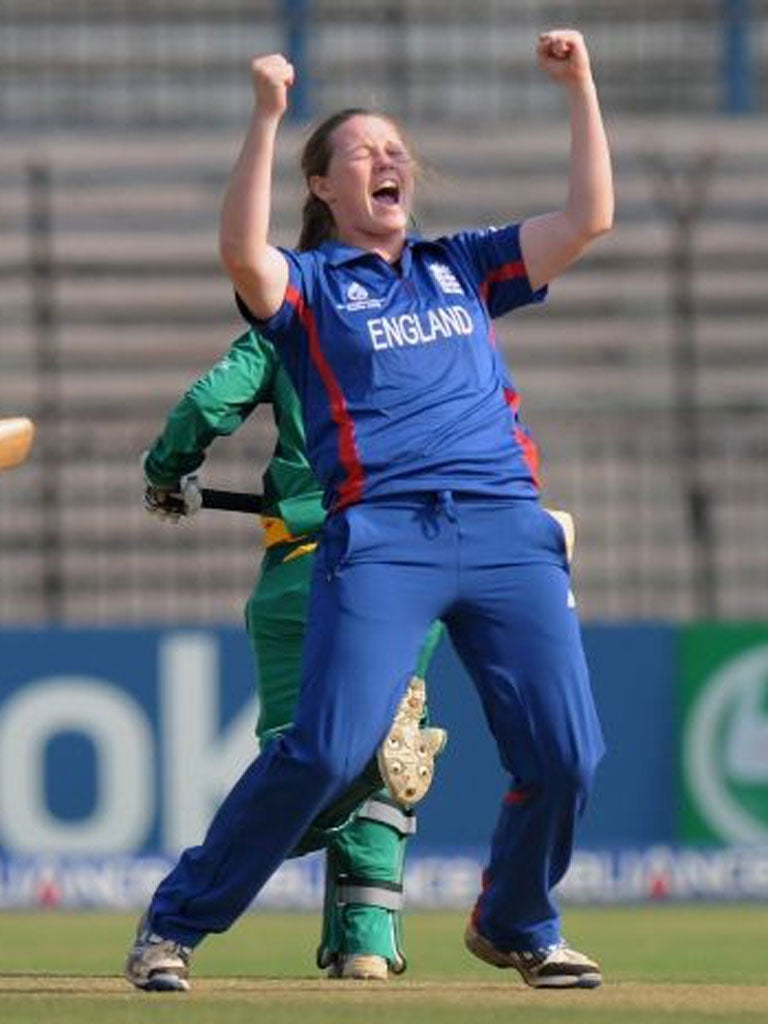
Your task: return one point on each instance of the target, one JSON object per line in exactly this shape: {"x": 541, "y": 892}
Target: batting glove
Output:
{"x": 171, "y": 504}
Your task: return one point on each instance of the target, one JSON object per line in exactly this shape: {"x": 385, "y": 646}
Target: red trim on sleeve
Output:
{"x": 506, "y": 272}
{"x": 351, "y": 489}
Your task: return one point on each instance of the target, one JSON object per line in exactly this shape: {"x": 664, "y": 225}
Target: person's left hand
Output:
{"x": 562, "y": 53}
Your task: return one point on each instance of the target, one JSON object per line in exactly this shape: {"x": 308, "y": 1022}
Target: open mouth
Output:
{"x": 387, "y": 194}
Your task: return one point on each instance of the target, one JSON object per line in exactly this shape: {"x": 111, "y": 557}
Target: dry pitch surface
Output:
{"x": 35, "y": 999}
{"x": 662, "y": 964}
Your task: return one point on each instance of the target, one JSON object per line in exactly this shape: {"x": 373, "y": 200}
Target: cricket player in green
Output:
{"x": 365, "y": 832}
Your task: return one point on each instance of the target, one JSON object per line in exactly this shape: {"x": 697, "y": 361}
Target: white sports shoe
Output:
{"x": 557, "y": 966}
{"x": 406, "y": 758}
{"x": 156, "y": 964}
{"x": 360, "y": 967}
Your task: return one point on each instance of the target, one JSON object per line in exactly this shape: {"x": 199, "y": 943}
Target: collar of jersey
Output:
{"x": 338, "y": 253}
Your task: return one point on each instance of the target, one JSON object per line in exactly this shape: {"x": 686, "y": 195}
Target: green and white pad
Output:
{"x": 362, "y": 912}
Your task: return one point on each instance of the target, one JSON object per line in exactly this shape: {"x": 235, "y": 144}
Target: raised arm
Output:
{"x": 553, "y": 241}
{"x": 258, "y": 271}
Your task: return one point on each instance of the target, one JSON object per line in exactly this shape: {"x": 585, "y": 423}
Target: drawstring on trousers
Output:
{"x": 441, "y": 504}
{"x": 444, "y": 503}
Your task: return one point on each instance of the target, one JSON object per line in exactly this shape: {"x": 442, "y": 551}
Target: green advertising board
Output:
{"x": 724, "y": 747}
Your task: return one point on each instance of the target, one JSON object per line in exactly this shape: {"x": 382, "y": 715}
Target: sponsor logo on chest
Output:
{"x": 358, "y": 297}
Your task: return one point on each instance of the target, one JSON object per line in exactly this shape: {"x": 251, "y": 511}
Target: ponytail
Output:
{"x": 317, "y": 223}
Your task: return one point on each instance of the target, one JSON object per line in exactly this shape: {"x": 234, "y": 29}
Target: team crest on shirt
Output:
{"x": 358, "y": 297}
{"x": 446, "y": 278}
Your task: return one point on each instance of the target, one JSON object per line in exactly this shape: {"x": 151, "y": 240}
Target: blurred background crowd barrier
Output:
{"x": 179, "y": 63}
{"x": 643, "y": 379}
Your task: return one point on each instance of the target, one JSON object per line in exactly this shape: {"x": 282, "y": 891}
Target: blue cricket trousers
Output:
{"x": 495, "y": 571}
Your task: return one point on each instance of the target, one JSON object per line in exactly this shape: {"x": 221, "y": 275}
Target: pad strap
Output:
{"x": 365, "y": 892}
{"x": 387, "y": 812}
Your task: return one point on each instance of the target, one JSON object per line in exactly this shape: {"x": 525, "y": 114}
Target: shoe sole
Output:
{"x": 566, "y": 981}
{"x": 485, "y": 951}
{"x": 162, "y": 982}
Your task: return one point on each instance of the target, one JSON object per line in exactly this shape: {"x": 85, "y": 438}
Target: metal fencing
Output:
{"x": 165, "y": 64}
{"x": 643, "y": 379}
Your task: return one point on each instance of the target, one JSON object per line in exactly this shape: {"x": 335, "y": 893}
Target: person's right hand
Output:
{"x": 272, "y": 77}
{"x": 170, "y": 504}
{"x": 179, "y": 501}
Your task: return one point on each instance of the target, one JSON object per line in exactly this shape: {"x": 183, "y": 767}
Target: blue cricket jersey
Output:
{"x": 401, "y": 386}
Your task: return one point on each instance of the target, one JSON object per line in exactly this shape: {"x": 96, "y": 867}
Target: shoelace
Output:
{"x": 183, "y": 952}
{"x": 538, "y": 956}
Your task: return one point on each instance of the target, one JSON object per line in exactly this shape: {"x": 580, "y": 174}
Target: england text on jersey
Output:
{"x": 419, "y": 328}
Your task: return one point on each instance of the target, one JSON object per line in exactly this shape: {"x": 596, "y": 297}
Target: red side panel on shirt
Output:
{"x": 526, "y": 442}
{"x": 351, "y": 489}
{"x": 506, "y": 272}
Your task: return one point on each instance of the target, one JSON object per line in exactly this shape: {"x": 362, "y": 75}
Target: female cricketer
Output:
{"x": 365, "y": 833}
{"x": 413, "y": 429}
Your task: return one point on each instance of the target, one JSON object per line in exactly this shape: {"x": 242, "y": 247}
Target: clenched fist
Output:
{"x": 562, "y": 53}
{"x": 272, "y": 77}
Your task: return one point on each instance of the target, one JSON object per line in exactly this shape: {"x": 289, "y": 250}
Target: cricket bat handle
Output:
{"x": 232, "y": 501}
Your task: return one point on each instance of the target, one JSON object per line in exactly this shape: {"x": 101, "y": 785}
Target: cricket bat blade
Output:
{"x": 16, "y": 436}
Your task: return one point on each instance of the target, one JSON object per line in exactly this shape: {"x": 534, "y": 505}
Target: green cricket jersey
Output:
{"x": 215, "y": 406}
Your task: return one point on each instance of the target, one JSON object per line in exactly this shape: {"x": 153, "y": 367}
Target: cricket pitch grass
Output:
{"x": 681, "y": 964}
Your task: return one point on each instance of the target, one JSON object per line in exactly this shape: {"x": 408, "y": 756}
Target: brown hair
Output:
{"x": 317, "y": 223}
